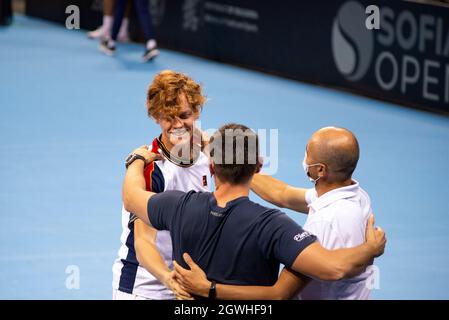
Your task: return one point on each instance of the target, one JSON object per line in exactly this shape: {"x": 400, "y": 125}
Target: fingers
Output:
{"x": 181, "y": 297}
{"x": 180, "y": 273}
{"x": 381, "y": 240}
{"x": 369, "y": 231}
{"x": 183, "y": 293}
{"x": 156, "y": 156}
{"x": 379, "y": 232}
{"x": 179, "y": 269}
{"x": 180, "y": 291}
{"x": 179, "y": 278}
{"x": 189, "y": 261}
{"x": 371, "y": 221}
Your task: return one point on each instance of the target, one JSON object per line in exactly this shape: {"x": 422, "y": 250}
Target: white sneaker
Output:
{"x": 150, "y": 54}
{"x": 98, "y": 33}
{"x": 107, "y": 48}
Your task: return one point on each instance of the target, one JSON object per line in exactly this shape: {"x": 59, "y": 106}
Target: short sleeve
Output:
{"x": 163, "y": 208}
{"x": 282, "y": 238}
{"x": 326, "y": 234}
{"x": 310, "y": 196}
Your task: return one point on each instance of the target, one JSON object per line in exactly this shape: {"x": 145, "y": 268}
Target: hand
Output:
{"x": 193, "y": 280}
{"x": 147, "y": 154}
{"x": 173, "y": 285}
{"x": 375, "y": 237}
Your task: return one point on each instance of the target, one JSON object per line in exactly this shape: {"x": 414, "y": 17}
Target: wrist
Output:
{"x": 165, "y": 278}
{"x": 204, "y": 292}
{"x": 212, "y": 290}
{"x": 135, "y": 158}
{"x": 370, "y": 248}
{"x": 139, "y": 162}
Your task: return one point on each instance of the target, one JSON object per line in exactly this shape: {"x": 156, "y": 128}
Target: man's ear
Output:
{"x": 259, "y": 164}
{"x": 322, "y": 171}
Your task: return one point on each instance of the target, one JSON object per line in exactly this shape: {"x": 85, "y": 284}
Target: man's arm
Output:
{"x": 196, "y": 282}
{"x": 318, "y": 262}
{"x": 147, "y": 253}
{"x": 135, "y": 196}
{"x": 279, "y": 193}
{"x": 150, "y": 258}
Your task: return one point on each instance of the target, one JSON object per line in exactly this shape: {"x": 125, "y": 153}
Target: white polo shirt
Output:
{"x": 338, "y": 218}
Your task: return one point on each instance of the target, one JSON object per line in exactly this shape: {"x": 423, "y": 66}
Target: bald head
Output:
{"x": 337, "y": 148}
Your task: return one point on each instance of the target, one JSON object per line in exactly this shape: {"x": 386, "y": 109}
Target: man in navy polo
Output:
{"x": 235, "y": 240}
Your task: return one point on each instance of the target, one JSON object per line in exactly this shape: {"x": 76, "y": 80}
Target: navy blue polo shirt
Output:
{"x": 243, "y": 243}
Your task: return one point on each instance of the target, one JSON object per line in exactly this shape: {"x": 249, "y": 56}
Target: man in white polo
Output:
{"x": 338, "y": 208}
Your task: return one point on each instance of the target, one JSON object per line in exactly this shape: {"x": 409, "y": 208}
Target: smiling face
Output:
{"x": 174, "y": 101}
{"x": 177, "y": 128}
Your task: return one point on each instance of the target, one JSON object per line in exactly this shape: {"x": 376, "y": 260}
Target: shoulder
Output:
{"x": 347, "y": 211}
{"x": 269, "y": 215}
{"x": 196, "y": 197}
{"x": 349, "y": 220}
{"x": 202, "y": 161}
{"x": 364, "y": 197}
{"x": 154, "y": 178}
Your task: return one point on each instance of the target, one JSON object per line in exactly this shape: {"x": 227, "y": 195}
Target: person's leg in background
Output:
{"x": 123, "y": 35}
{"x": 105, "y": 28}
{"x": 107, "y": 45}
{"x": 104, "y": 31}
{"x": 146, "y": 24}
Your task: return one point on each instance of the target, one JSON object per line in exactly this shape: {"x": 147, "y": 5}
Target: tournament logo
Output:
{"x": 352, "y": 42}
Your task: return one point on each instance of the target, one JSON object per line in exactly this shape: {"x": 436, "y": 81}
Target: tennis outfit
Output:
{"x": 130, "y": 280}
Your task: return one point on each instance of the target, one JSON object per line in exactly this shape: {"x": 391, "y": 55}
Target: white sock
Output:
{"x": 107, "y": 22}
{"x": 124, "y": 27}
{"x": 111, "y": 43}
{"x": 151, "y": 44}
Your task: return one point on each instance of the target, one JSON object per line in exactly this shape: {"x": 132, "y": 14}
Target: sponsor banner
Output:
{"x": 404, "y": 58}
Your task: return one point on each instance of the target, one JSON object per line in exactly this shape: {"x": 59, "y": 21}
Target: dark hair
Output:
{"x": 235, "y": 153}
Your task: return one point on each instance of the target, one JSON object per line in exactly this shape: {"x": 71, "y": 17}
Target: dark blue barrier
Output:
{"x": 324, "y": 42}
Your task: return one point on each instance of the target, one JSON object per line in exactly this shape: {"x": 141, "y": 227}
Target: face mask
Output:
{"x": 306, "y": 169}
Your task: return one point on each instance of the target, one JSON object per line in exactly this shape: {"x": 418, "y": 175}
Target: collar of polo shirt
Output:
{"x": 334, "y": 195}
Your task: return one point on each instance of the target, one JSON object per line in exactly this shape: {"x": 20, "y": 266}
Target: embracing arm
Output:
{"x": 147, "y": 253}
{"x": 134, "y": 194}
{"x": 279, "y": 193}
{"x": 318, "y": 262}
{"x": 196, "y": 282}
{"x": 150, "y": 258}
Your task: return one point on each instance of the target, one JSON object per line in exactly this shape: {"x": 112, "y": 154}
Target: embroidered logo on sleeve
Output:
{"x": 301, "y": 236}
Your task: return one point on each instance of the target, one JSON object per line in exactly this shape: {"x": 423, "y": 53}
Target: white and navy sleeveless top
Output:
{"x": 161, "y": 175}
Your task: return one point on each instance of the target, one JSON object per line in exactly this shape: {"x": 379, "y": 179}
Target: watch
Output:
{"x": 133, "y": 157}
{"x": 213, "y": 290}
